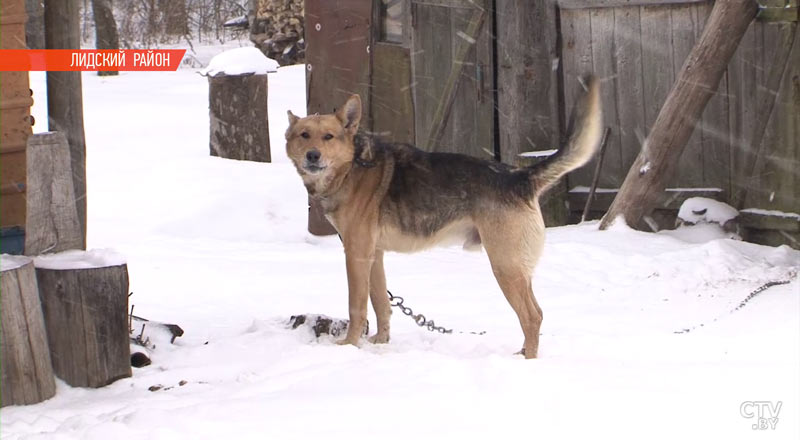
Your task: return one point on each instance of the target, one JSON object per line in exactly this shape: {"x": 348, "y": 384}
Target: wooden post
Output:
{"x": 52, "y": 223}
{"x": 86, "y": 316}
{"x": 27, "y": 374}
{"x": 527, "y": 80}
{"x": 64, "y": 94}
{"x": 238, "y": 115}
{"x": 696, "y": 83}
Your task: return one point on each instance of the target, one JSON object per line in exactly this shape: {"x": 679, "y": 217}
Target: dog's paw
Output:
{"x": 379, "y": 338}
{"x": 347, "y": 342}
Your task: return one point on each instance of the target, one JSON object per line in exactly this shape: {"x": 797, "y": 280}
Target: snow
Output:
{"x": 74, "y": 259}
{"x": 542, "y": 153}
{"x": 11, "y": 262}
{"x": 771, "y": 213}
{"x": 240, "y": 61}
{"x": 704, "y": 210}
{"x": 219, "y": 247}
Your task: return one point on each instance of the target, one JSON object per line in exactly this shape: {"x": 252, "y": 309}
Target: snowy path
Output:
{"x": 220, "y": 248}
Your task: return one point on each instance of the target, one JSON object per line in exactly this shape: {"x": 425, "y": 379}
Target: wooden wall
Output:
{"x": 638, "y": 51}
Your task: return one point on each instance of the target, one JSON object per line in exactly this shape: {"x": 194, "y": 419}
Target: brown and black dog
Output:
{"x": 393, "y": 197}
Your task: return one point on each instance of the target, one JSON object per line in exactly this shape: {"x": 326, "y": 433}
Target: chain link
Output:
{"x": 420, "y": 319}
{"x": 744, "y": 302}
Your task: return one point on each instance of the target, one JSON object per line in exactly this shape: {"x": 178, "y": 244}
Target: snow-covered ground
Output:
{"x": 220, "y": 248}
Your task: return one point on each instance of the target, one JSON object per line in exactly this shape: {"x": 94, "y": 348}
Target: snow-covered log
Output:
{"x": 85, "y": 303}
{"x": 27, "y": 375}
{"x": 237, "y": 101}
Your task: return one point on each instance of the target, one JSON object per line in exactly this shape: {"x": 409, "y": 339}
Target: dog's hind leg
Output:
{"x": 513, "y": 247}
{"x": 379, "y": 299}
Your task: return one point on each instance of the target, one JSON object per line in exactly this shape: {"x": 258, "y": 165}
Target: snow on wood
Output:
{"x": 76, "y": 259}
{"x": 703, "y": 210}
{"x": 240, "y": 61}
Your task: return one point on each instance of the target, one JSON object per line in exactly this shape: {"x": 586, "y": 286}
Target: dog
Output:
{"x": 394, "y": 197}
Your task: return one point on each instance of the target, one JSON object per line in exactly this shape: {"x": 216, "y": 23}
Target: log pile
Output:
{"x": 277, "y": 30}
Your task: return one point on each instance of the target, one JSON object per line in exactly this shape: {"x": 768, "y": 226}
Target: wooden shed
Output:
{"x": 498, "y": 78}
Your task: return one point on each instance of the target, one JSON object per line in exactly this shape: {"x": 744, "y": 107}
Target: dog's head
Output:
{"x": 322, "y": 146}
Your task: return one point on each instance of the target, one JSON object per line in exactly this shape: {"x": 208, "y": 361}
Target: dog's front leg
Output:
{"x": 379, "y": 299}
{"x": 359, "y": 256}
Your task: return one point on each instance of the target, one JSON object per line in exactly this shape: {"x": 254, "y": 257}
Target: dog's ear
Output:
{"x": 350, "y": 114}
{"x": 292, "y": 117}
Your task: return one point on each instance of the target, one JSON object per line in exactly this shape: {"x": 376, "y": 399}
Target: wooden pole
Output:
{"x": 64, "y": 94}
{"x": 696, "y": 83}
{"x": 596, "y": 177}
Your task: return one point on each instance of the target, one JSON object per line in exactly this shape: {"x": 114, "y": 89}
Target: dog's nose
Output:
{"x": 313, "y": 155}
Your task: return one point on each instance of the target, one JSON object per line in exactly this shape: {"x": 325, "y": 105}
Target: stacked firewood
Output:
{"x": 277, "y": 29}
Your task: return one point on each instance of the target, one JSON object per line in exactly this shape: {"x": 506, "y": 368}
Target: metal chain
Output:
{"x": 744, "y": 302}
{"x": 420, "y": 319}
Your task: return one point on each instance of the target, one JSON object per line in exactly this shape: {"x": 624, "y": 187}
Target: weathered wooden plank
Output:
{"x": 482, "y": 84}
{"x": 757, "y": 188}
{"x": 657, "y": 64}
{"x": 684, "y": 32}
{"x": 630, "y": 99}
{"x": 582, "y": 4}
{"x": 462, "y": 116}
{"x": 670, "y": 199}
{"x": 85, "y": 312}
{"x": 52, "y": 223}
{"x": 780, "y": 146}
{"x": 392, "y": 105}
{"x": 715, "y": 128}
{"x": 742, "y": 73}
{"x": 528, "y": 109}
{"x": 604, "y": 67}
{"x": 27, "y": 374}
{"x": 462, "y": 44}
{"x": 431, "y": 60}
{"x": 576, "y": 57}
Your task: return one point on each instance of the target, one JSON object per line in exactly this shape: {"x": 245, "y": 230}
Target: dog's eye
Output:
{"x": 327, "y": 137}
{"x": 305, "y": 135}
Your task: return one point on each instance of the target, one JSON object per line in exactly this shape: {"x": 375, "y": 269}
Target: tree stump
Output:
{"x": 27, "y": 375}
{"x": 238, "y": 116}
{"x": 86, "y": 316}
{"x": 52, "y": 223}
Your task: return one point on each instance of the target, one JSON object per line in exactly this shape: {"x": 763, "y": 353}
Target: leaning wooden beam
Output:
{"x": 696, "y": 84}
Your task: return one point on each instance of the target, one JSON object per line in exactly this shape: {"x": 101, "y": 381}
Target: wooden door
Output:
{"x": 452, "y": 76}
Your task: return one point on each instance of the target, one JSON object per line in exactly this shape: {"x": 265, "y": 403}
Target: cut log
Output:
{"x": 27, "y": 374}
{"x": 52, "y": 223}
{"x": 85, "y": 311}
{"x": 696, "y": 83}
{"x": 238, "y": 116}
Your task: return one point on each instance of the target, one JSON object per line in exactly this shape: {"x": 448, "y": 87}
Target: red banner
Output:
{"x": 58, "y": 60}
